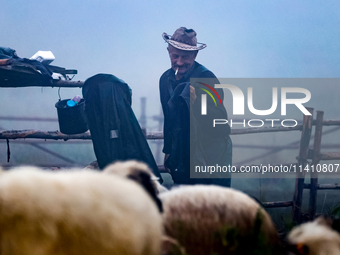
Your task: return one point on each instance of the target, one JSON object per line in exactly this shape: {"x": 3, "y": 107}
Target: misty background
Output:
{"x": 245, "y": 39}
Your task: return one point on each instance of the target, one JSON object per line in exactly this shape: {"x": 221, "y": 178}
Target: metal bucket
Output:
{"x": 72, "y": 120}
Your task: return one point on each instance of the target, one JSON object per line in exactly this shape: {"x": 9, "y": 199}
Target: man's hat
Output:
{"x": 184, "y": 39}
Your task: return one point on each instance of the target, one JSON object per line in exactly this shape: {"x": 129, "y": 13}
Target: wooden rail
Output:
{"x": 56, "y": 135}
{"x": 323, "y": 186}
{"x": 277, "y": 204}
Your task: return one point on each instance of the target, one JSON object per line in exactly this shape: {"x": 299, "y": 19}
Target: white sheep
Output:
{"x": 314, "y": 238}
{"x": 208, "y": 219}
{"x": 75, "y": 213}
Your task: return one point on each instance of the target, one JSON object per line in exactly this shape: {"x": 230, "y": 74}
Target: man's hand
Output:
{"x": 165, "y": 159}
{"x": 192, "y": 95}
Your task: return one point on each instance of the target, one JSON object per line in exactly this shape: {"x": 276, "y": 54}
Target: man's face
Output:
{"x": 183, "y": 60}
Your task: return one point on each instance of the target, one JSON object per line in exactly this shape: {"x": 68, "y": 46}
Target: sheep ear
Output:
{"x": 331, "y": 222}
{"x": 324, "y": 221}
{"x": 144, "y": 179}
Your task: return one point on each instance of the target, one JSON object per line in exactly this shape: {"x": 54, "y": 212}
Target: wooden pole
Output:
{"x": 277, "y": 204}
{"x": 316, "y": 160}
{"x": 324, "y": 186}
{"x": 142, "y": 118}
{"x": 56, "y": 135}
{"x": 302, "y": 160}
{"x": 243, "y": 131}
{"x": 160, "y": 119}
{"x": 67, "y": 84}
{"x": 330, "y": 156}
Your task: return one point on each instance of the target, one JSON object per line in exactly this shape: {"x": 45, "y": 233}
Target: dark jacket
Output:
{"x": 115, "y": 131}
{"x": 168, "y": 83}
{"x": 175, "y": 99}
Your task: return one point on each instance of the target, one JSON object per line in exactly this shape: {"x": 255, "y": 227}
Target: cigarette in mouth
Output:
{"x": 176, "y": 71}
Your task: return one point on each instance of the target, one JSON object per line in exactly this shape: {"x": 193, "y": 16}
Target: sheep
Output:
{"x": 140, "y": 173}
{"x": 75, "y": 213}
{"x": 314, "y": 238}
{"x": 133, "y": 169}
{"x": 208, "y": 219}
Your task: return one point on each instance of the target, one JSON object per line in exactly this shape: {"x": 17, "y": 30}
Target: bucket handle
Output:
{"x": 59, "y": 94}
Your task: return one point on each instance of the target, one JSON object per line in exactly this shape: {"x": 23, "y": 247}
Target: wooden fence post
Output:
{"x": 302, "y": 161}
{"x": 316, "y": 160}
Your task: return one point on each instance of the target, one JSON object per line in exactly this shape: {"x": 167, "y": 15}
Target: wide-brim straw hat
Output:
{"x": 184, "y": 39}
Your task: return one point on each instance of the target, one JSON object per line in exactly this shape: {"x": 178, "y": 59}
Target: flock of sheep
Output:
{"x": 123, "y": 210}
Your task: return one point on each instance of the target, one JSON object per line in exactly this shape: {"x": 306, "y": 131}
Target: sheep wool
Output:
{"x": 208, "y": 219}
{"x": 314, "y": 238}
{"x": 133, "y": 168}
{"x": 75, "y": 213}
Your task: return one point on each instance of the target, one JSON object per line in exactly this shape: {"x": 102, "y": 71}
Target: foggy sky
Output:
{"x": 244, "y": 38}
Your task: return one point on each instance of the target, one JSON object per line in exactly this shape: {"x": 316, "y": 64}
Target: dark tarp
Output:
{"x": 115, "y": 131}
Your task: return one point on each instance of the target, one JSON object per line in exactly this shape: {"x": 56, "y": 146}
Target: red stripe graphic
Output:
{"x": 213, "y": 90}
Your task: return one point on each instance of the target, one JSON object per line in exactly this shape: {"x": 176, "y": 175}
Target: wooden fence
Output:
{"x": 315, "y": 155}
{"x": 305, "y": 153}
